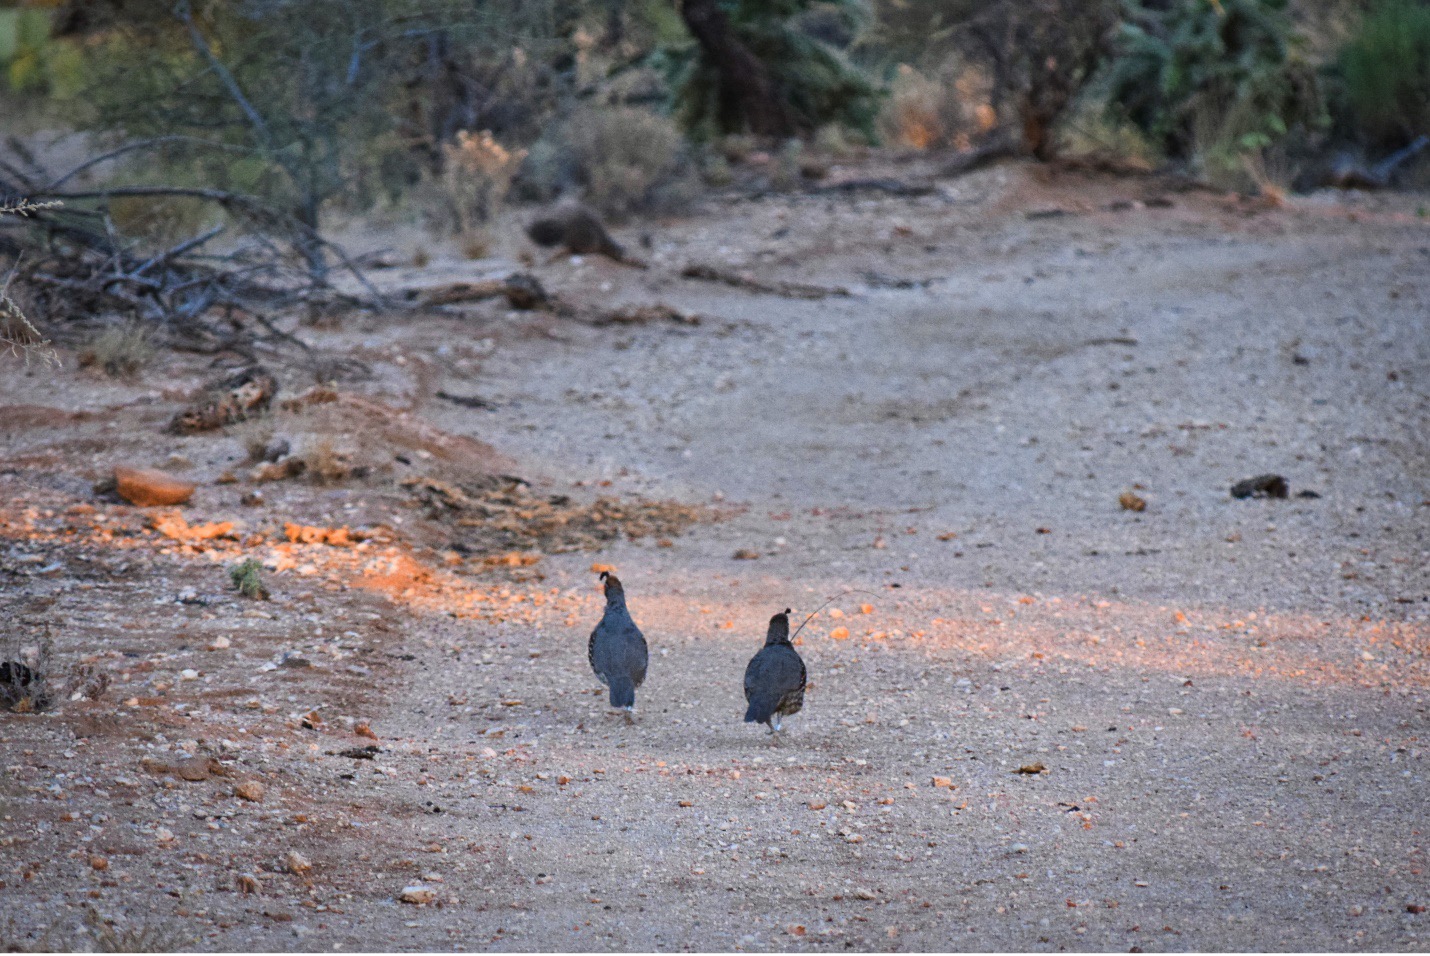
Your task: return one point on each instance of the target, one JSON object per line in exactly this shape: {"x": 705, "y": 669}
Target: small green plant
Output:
{"x": 1386, "y": 69}
{"x": 246, "y": 580}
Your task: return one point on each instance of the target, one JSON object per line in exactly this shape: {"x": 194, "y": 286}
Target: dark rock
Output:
{"x": 1262, "y": 486}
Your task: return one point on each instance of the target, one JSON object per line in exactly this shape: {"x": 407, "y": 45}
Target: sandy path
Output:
{"x": 1228, "y": 697}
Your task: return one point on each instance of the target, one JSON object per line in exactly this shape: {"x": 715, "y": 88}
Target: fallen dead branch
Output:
{"x": 894, "y": 187}
{"x": 521, "y": 289}
{"x": 72, "y": 263}
{"x": 641, "y": 314}
{"x": 740, "y": 280}
{"x": 524, "y": 292}
{"x": 999, "y": 147}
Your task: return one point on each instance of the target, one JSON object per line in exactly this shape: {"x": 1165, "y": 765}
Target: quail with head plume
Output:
{"x": 617, "y": 649}
{"x": 574, "y": 228}
{"x": 774, "y": 678}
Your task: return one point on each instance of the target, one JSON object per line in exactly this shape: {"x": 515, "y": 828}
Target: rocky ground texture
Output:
{"x": 1070, "y": 695}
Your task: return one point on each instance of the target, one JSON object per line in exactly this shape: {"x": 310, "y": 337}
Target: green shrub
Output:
{"x": 305, "y": 103}
{"x": 1229, "y": 69}
{"x": 625, "y": 160}
{"x": 246, "y": 580}
{"x": 812, "y": 81}
{"x": 1386, "y": 71}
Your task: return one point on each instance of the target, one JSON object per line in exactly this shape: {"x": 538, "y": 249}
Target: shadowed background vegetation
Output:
{"x": 267, "y": 117}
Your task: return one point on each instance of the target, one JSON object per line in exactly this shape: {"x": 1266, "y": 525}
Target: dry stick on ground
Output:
{"x": 524, "y": 292}
{"x": 894, "y": 187}
{"x": 789, "y": 290}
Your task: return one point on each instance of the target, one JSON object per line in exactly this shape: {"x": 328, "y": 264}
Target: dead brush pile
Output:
{"x": 501, "y": 514}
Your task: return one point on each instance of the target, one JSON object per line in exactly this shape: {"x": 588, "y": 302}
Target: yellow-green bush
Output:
{"x": 1386, "y": 70}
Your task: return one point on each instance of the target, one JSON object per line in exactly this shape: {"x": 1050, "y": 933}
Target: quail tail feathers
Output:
{"x": 617, "y": 649}
{"x": 775, "y": 677}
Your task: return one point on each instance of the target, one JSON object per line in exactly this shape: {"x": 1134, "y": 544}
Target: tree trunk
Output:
{"x": 741, "y": 72}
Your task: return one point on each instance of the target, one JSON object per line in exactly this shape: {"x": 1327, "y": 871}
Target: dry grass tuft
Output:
{"x": 326, "y": 462}
{"x": 256, "y": 434}
{"x": 120, "y": 351}
{"x": 144, "y": 938}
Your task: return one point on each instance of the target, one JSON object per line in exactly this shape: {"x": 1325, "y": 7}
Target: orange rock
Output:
{"x": 149, "y": 487}
{"x": 250, "y": 790}
{"x": 174, "y": 526}
{"x": 839, "y": 634}
{"x": 308, "y": 534}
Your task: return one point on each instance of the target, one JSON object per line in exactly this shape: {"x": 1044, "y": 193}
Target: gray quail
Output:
{"x": 617, "y": 649}
{"x": 575, "y": 228}
{"x": 774, "y": 678}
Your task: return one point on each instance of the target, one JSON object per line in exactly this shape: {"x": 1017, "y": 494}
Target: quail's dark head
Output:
{"x": 614, "y": 592}
{"x": 779, "y": 628}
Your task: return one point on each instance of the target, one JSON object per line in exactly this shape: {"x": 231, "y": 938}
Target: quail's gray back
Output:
{"x": 577, "y": 229}
{"x": 617, "y": 649}
{"x": 775, "y": 677}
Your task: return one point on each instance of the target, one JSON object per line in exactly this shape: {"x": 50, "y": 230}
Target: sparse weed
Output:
{"x": 786, "y": 173}
{"x": 25, "y": 675}
{"x": 326, "y": 462}
{"x": 15, "y": 940}
{"x": 255, "y": 432}
{"x": 920, "y": 113}
{"x": 144, "y": 938}
{"x": 18, "y": 335}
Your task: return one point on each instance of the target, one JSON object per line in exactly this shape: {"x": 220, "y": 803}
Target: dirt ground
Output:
{"x": 1037, "y": 721}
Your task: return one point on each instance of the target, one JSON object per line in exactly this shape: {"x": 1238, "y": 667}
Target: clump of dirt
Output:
{"x": 504, "y": 514}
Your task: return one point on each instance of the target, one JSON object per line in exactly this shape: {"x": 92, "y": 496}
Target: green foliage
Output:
{"x": 1386, "y": 71}
{"x": 623, "y": 160}
{"x": 1036, "y": 54}
{"x": 302, "y": 102}
{"x": 1237, "y": 59}
{"x": 245, "y": 579}
{"x": 32, "y": 62}
{"x": 816, "y": 82}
